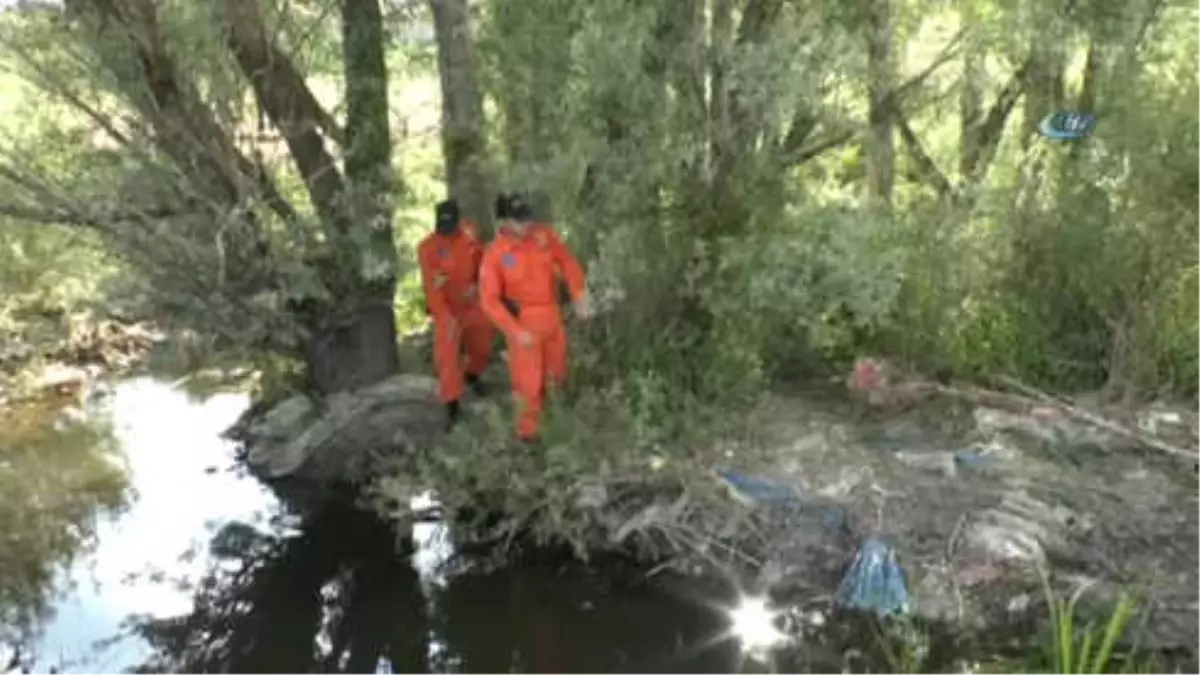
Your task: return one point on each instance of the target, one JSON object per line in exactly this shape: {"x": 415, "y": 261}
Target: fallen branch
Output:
{"x": 1033, "y": 398}
{"x": 1098, "y": 421}
{"x": 873, "y": 377}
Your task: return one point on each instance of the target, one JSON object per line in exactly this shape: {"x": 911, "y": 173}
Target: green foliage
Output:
{"x": 49, "y": 277}
{"x": 1092, "y": 649}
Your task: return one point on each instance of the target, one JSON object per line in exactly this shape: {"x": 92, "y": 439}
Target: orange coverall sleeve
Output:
{"x": 568, "y": 265}
{"x": 472, "y": 231}
{"x": 491, "y": 293}
{"x": 435, "y": 297}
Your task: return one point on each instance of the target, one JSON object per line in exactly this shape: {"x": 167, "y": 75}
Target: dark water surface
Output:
{"x": 206, "y": 572}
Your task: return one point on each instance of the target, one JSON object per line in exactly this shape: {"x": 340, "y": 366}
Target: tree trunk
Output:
{"x": 534, "y": 67}
{"x": 683, "y": 46}
{"x": 720, "y": 48}
{"x": 880, "y": 143}
{"x": 351, "y": 337}
{"x": 1045, "y": 91}
{"x": 464, "y": 144}
{"x": 361, "y": 348}
{"x": 970, "y": 101}
{"x": 353, "y": 348}
{"x": 722, "y": 150}
{"x": 741, "y": 123}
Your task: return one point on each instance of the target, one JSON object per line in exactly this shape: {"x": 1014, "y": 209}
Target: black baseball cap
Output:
{"x": 446, "y": 214}
{"x": 513, "y": 205}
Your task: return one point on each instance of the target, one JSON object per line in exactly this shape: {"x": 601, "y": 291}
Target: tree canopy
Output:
{"x": 763, "y": 178}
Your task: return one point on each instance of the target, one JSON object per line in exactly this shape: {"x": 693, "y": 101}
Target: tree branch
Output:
{"x": 285, "y": 97}
{"x": 743, "y": 125}
{"x": 97, "y": 221}
{"x": 989, "y": 132}
{"x": 803, "y": 124}
{"x": 757, "y": 17}
{"x": 894, "y": 98}
{"x": 185, "y": 128}
{"x": 53, "y": 85}
{"x": 949, "y": 53}
{"x": 926, "y": 166}
{"x": 327, "y": 123}
{"x": 814, "y": 151}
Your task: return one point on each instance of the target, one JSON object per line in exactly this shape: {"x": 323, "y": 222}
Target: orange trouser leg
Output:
{"x": 477, "y": 338}
{"x": 525, "y": 371}
{"x": 554, "y": 351}
{"x": 447, "y": 359}
{"x": 530, "y": 366}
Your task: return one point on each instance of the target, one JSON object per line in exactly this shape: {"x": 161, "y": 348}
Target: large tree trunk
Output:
{"x": 880, "y": 142}
{"x": 353, "y": 348}
{"x": 362, "y": 350}
{"x": 464, "y": 144}
{"x": 351, "y": 337}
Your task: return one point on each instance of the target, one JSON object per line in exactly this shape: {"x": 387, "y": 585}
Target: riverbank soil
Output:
{"x": 978, "y": 499}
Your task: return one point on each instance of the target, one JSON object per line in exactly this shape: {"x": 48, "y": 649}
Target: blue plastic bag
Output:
{"x": 875, "y": 581}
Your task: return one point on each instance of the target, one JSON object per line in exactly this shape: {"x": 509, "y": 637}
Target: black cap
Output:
{"x": 513, "y": 205}
{"x": 446, "y": 214}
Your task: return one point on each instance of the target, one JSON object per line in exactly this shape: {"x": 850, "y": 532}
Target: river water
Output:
{"x": 205, "y": 571}
{"x": 182, "y": 487}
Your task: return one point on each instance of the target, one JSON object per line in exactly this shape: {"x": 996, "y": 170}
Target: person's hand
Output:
{"x": 582, "y": 309}
{"x": 524, "y": 338}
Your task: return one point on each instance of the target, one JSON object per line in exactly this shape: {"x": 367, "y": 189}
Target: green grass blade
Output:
{"x": 1116, "y": 628}
{"x": 1066, "y": 636}
{"x": 1085, "y": 650}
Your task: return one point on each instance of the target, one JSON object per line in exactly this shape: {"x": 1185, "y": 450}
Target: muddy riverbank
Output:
{"x": 979, "y": 502}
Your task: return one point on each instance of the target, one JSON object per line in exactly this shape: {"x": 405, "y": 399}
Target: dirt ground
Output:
{"x": 976, "y": 501}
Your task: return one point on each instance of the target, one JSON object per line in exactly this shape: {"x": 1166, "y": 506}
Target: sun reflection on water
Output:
{"x": 752, "y": 623}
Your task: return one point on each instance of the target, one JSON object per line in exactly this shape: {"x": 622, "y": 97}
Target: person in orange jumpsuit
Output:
{"x": 449, "y": 260}
{"x": 519, "y": 293}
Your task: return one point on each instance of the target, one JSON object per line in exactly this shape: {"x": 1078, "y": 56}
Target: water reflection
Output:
{"x": 570, "y": 618}
{"x": 60, "y": 472}
{"x": 344, "y": 592}
{"x": 148, "y": 558}
{"x": 334, "y": 598}
{"x": 205, "y": 573}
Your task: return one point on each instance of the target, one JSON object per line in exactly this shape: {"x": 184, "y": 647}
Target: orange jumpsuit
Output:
{"x": 449, "y": 273}
{"x": 522, "y": 272}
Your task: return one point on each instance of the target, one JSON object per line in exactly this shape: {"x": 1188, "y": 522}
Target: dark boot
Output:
{"x": 452, "y": 413}
{"x": 529, "y": 443}
{"x": 476, "y": 385}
